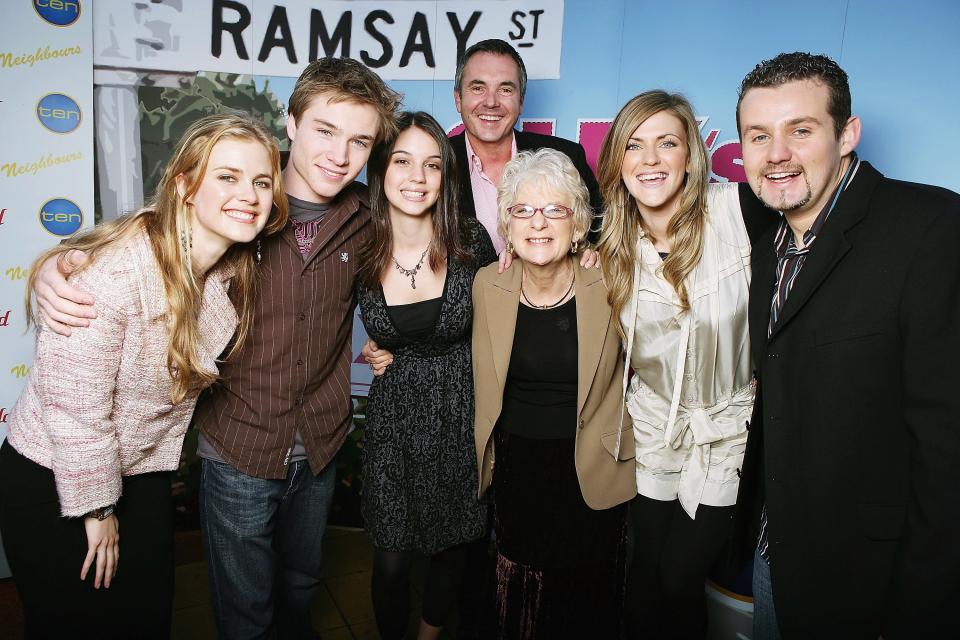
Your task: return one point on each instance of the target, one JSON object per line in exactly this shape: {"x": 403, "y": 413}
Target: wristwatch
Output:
{"x": 102, "y": 513}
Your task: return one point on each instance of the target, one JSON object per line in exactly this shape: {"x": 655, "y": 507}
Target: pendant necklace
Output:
{"x": 412, "y": 273}
{"x": 548, "y": 306}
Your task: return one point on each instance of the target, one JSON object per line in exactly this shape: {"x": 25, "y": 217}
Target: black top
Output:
{"x": 540, "y": 395}
{"x": 416, "y": 320}
{"x": 419, "y": 454}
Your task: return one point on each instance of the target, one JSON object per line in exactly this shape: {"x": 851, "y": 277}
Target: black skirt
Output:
{"x": 560, "y": 564}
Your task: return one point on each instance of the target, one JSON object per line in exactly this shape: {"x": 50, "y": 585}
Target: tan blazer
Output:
{"x": 606, "y": 479}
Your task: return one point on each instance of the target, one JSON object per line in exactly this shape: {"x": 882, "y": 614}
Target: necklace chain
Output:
{"x": 548, "y": 306}
{"x": 411, "y": 273}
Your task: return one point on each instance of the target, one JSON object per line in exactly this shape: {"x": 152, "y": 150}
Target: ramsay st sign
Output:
{"x": 399, "y": 40}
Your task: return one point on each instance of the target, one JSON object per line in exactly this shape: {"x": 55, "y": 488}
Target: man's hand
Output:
{"x": 378, "y": 359}
{"x": 504, "y": 260}
{"x": 61, "y": 305}
{"x": 589, "y": 259}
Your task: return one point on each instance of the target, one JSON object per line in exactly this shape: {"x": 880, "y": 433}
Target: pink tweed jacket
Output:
{"x": 96, "y": 405}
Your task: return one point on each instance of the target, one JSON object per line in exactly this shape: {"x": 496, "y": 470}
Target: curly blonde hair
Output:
{"x": 165, "y": 220}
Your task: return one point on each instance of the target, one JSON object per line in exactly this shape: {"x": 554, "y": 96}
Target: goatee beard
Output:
{"x": 783, "y": 205}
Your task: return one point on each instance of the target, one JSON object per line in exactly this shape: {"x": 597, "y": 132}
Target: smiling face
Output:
{"x": 791, "y": 154}
{"x": 656, "y": 162}
{"x": 489, "y": 100}
{"x": 412, "y": 179}
{"x": 540, "y": 240}
{"x": 329, "y": 144}
{"x": 234, "y": 198}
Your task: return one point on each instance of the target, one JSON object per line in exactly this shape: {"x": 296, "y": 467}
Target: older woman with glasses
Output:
{"x": 547, "y": 373}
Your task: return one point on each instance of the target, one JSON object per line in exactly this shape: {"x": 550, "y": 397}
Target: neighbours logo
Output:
{"x": 59, "y": 13}
{"x": 58, "y": 113}
{"x": 61, "y": 217}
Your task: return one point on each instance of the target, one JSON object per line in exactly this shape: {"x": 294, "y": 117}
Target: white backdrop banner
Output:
{"x": 398, "y": 39}
{"x": 46, "y": 158}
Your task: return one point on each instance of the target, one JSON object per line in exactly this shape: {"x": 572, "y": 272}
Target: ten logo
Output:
{"x": 58, "y": 113}
{"x": 61, "y": 217}
{"x": 60, "y": 13}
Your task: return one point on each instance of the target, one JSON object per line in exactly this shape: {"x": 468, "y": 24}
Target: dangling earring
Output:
{"x": 510, "y": 247}
{"x": 573, "y": 247}
{"x": 186, "y": 241}
{"x": 259, "y": 254}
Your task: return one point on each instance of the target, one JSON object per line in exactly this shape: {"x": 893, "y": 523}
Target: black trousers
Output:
{"x": 672, "y": 555}
{"x": 46, "y": 552}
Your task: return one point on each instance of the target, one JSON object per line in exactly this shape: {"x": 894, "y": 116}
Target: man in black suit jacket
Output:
{"x": 489, "y": 88}
{"x": 853, "y": 457}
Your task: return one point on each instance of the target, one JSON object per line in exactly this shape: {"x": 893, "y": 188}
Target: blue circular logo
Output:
{"x": 61, "y": 217}
{"x": 59, "y": 113}
{"x": 59, "y": 13}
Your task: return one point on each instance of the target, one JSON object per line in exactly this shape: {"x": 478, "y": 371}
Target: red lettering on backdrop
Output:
{"x": 726, "y": 162}
{"x": 3, "y": 212}
{"x": 5, "y": 319}
{"x": 3, "y": 414}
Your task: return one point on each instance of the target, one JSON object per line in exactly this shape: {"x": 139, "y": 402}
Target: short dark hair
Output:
{"x": 495, "y": 46}
{"x": 800, "y": 65}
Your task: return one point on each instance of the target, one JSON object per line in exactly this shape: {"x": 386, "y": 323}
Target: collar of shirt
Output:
{"x": 485, "y": 192}
{"x": 476, "y": 165}
{"x": 784, "y": 241}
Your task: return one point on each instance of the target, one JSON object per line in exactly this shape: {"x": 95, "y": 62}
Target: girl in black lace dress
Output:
{"x": 414, "y": 292}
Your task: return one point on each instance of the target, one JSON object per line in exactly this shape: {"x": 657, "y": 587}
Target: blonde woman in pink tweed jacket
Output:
{"x": 100, "y": 423}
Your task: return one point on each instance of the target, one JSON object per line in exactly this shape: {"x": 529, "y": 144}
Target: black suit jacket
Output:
{"x": 855, "y": 441}
{"x": 528, "y": 141}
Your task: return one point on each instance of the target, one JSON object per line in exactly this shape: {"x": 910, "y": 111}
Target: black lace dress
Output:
{"x": 420, "y": 464}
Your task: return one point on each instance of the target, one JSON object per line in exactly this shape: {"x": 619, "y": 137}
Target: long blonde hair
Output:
{"x": 621, "y": 217}
{"x": 166, "y": 221}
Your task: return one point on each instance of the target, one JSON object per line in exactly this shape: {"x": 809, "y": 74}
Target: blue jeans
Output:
{"x": 263, "y": 544}
{"x": 764, "y": 615}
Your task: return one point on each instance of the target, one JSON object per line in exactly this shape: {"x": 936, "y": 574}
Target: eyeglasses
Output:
{"x": 552, "y": 211}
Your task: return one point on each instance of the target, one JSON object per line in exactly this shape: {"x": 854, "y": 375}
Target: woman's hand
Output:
{"x": 61, "y": 305}
{"x": 378, "y": 359}
{"x": 590, "y": 258}
{"x": 103, "y": 545}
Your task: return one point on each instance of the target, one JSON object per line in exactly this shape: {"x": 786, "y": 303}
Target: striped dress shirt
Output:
{"x": 293, "y": 373}
{"x": 790, "y": 259}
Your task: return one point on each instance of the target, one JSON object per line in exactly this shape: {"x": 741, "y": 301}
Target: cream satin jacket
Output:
{"x": 691, "y": 396}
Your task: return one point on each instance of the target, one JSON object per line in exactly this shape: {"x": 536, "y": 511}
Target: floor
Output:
{"x": 342, "y": 610}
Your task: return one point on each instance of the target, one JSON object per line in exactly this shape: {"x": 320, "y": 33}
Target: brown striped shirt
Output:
{"x": 294, "y": 371}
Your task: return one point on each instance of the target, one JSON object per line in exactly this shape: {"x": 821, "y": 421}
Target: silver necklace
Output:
{"x": 411, "y": 273}
{"x": 548, "y": 306}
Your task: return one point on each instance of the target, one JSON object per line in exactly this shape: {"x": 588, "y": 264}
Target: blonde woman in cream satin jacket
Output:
{"x": 675, "y": 252}
{"x": 691, "y": 395}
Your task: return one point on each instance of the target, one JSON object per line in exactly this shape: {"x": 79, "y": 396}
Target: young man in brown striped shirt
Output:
{"x": 270, "y": 429}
